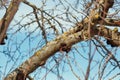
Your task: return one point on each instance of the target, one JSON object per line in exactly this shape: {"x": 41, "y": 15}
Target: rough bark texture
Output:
{"x": 43, "y": 54}
{"x": 40, "y": 57}
{"x": 69, "y": 38}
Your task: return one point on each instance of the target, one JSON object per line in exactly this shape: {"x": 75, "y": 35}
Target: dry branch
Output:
{"x": 69, "y": 38}
{"x": 8, "y": 17}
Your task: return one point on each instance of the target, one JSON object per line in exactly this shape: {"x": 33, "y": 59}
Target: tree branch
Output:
{"x": 6, "y": 20}
{"x": 111, "y": 22}
{"x": 40, "y": 57}
{"x": 69, "y": 38}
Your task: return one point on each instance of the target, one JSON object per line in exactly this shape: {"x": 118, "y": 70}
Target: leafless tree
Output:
{"x": 55, "y": 36}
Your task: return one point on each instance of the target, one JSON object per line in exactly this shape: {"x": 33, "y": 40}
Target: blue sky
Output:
{"x": 19, "y": 47}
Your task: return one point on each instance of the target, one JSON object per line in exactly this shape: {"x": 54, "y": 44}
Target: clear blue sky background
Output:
{"x": 14, "y": 52}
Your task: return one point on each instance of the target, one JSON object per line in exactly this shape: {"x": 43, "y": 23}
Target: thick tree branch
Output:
{"x": 112, "y": 36}
{"x": 111, "y": 22}
{"x": 9, "y": 15}
{"x": 40, "y": 57}
{"x": 69, "y": 38}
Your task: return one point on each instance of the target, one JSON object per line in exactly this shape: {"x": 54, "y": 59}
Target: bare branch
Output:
{"x": 9, "y": 15}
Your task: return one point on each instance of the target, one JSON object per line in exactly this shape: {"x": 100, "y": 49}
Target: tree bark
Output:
{"x": 8, "y": 17}
{"x": 40, "y": 57}
{"x": 69, "y": 38}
